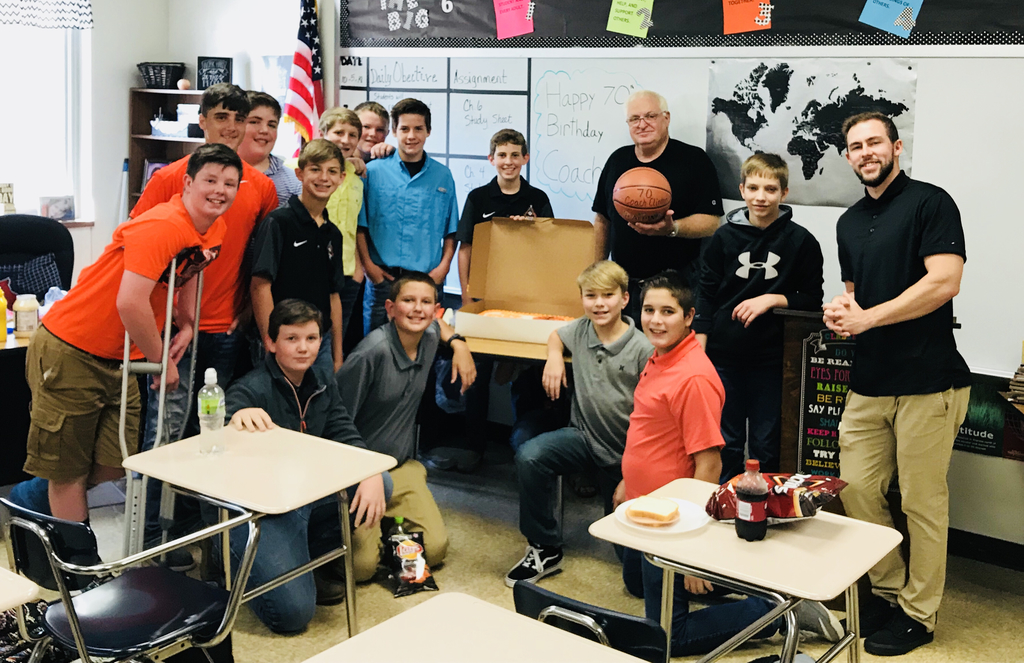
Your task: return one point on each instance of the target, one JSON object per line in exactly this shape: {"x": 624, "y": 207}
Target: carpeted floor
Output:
{"x": 980, "y": 620}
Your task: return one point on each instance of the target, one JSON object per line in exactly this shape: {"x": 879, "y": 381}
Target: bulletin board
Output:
{"x": 694, "y": 23}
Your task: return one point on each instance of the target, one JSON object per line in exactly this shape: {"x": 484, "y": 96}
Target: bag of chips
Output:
{"x": 407, "y": 568}
{"x": 790, "y": 496}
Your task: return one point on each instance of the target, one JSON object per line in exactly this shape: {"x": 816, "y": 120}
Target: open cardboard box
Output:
{"x": 527, "y": 266}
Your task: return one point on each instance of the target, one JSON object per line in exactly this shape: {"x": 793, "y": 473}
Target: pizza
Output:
{"x": 501, "y": 313}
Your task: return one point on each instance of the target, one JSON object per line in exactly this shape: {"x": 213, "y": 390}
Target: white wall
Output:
{"x": 125, "y": 33}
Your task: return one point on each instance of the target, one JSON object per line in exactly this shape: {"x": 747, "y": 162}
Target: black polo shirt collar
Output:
{"x": 894, "y": 189}
{"x": 495, "y": 192}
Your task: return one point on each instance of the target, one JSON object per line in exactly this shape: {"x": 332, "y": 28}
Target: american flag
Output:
{"x": 304, "y": 101}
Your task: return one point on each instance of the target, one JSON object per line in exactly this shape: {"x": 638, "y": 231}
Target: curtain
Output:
{"x": 74, "y": 14}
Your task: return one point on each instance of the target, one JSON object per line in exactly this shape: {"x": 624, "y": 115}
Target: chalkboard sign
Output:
{"x": 824, "y": 385}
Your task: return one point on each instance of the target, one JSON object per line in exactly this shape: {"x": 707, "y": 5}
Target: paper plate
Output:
{"x": 691, "y": 517}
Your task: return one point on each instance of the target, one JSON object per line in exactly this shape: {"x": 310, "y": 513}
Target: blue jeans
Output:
{"x": 374, "y": 314}
{"x": 216, "y": 350}
{"x": 288, "y": 541}
{"x": 539, "y": 462}
{"x": 33, "y": 494}
{"x": 751, "y": 417}
{"x": 698, "y": 632}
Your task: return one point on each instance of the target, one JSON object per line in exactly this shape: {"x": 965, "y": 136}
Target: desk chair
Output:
{"x": 636, "y": 636}
{"x": 24, "y": 237}
{"x": 122, "y": 610}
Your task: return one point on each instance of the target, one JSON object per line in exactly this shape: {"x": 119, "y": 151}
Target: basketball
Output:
{"x": 642, "y": 195}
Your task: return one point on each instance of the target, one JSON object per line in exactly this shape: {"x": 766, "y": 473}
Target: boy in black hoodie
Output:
{"x": 757, "y": 261}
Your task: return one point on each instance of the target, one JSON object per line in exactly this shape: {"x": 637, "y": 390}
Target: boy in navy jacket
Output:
{"x": 757, "y": 261}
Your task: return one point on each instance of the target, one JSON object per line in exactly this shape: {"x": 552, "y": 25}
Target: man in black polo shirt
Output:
{"x": 901, "y": 252}
{"x": 643, "y": 249}
{"x": 297, "y": 252}
{"x": 508, "y": 194}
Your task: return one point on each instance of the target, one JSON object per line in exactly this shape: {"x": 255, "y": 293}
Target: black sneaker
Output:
{"x": 901, "y": 635}
{"x": 330, "y": 585}
{"x": 179, "y": 560}
{"x": 539, "y": 561}
{"x": 875, "y": 613}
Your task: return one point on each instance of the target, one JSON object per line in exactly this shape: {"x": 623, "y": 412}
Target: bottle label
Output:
{"x": 26, "y": 321}
{"x": 752, "y": 512}
{"x": 210, "y": 406}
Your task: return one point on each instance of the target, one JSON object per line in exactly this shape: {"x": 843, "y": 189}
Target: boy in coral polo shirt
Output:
{"x": 674, "y": 433}
{"x": 73, "y": 361}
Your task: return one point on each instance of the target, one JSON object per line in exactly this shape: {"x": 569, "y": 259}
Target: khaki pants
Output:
{"x": 912, "y": 436}
{"x": 412, "y": 500}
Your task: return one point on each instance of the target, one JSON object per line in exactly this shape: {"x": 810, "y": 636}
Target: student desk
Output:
{"x": 15, "y": 590}
{"x": 13, "y": 409}
{"x": 271, "y": 473}
{"x": 456, "y": 628}
{"x": 815, "y": 559}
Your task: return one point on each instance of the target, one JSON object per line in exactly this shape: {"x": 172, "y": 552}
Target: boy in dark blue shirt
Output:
{"x": 757, "y": 261}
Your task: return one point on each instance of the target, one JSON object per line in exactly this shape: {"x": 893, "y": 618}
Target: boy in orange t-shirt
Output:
{"x": 225, "y": 310}
{"x": 73, "y": 361}
{"x": 675, "y": 433}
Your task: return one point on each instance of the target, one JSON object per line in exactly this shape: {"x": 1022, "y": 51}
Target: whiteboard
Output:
{"x": 437, "y": 141}
{"x": 474, "y": 119}
{"x": 965, "y": 141}
{"x": 495, "y": 74}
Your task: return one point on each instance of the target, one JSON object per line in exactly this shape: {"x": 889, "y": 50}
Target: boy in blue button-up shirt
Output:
{"x": 409, "y": 214}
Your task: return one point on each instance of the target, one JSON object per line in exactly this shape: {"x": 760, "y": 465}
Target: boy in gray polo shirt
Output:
{"x": 381, "y": 384}
{"x": 608, "y": 354}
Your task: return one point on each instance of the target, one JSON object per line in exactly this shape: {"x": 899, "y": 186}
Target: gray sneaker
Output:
{"x": 816, "y": 619}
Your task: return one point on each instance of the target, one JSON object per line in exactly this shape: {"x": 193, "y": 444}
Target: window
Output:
{"x": 39, "y": 117}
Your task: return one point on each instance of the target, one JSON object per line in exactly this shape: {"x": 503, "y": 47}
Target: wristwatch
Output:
{"x": 456, "y": 337}
{"x": 675, "y": 230}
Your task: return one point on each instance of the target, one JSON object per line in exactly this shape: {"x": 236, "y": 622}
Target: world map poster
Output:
{"x": 795, "y": 108}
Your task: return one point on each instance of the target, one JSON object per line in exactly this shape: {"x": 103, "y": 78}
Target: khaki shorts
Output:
{"x": 76, "y": 407}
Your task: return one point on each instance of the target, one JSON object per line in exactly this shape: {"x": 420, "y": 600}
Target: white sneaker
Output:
{"x": 818, "y": 620}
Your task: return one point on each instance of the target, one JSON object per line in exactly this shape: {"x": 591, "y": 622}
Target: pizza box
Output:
{"x": 528, "y": 266}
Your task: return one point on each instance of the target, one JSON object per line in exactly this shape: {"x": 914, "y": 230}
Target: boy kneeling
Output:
{"x": 381, "y": 384}
{"x": 288, "y": 390}
{"x": 674, "y": 433}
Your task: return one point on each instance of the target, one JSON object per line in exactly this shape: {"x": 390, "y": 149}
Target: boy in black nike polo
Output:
{"x": 297, "y": 252}
{"x": 757, "y": 261}
{"x": 508, "y": 194}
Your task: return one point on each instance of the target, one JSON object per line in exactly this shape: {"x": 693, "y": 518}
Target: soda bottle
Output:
{"x": 211, "y": 415}
{"x": 751, "y": 500}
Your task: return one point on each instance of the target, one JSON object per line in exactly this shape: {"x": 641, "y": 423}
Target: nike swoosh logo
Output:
{"x": 301, "y": 243}
{"x": 487, "y": 216}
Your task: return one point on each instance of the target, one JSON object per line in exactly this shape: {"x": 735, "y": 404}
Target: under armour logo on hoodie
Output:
{"x": 768, "y": 266}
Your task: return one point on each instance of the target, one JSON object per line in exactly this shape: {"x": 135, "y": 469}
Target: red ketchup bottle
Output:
{"x": 751, "y": 500}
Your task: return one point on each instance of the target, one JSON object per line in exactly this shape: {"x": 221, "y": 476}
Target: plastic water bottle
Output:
{"x": 751, "y": 500}
{"x": 211, "y": 415}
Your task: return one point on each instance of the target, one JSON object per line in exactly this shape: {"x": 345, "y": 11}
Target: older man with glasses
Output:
{"x": 674, "y": 242}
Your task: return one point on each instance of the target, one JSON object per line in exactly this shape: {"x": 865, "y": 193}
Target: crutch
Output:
{"x": 135, "y": 492}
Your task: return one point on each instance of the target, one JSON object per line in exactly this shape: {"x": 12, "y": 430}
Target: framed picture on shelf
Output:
{"x": 149, "y": 168}
{"x": 58, "y": 208}
{"x": 211, "y": 71}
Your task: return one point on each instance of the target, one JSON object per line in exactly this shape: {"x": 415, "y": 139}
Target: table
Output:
{"x": 815, "y": 559}
{"x": 456, "y": 628}
{"x": 15, "y": 590}
{"x": 270, "y": 473}
{"x": 516, "y": 349}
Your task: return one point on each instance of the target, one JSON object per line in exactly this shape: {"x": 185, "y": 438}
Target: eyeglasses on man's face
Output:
{"x": 634, "y": 120}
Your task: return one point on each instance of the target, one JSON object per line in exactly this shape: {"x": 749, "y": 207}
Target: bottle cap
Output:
{"x": 752, "y": 465}
{"x": 211, "y": 376}
{"x": 399, "y": 520}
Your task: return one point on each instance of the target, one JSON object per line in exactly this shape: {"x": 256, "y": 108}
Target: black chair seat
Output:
{"x": 150, "y": 605}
